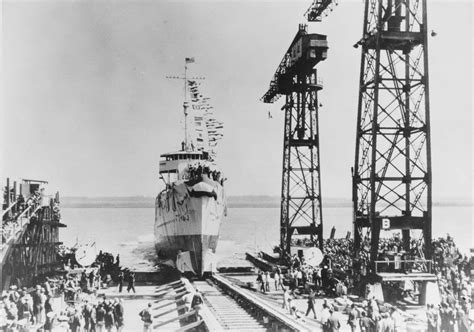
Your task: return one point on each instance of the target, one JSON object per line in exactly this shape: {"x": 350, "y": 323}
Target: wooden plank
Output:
{"x": 167, "y": 304}
{"x": 170, "y": 284}
{"x": 178, "y": 289}
{"x": 170, "y": 311}
{"x": 37, "y": 244}
{"x": 190, "y": 326}
{"x": 175, "y": 297}
{"x": 189, "y": 313}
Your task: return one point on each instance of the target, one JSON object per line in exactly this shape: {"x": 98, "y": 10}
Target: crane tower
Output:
{"x": 296, "y": 78}
{"x": 392, "y": 168}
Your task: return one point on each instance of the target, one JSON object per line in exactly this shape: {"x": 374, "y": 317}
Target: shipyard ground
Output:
{"x": 228, "y": 306}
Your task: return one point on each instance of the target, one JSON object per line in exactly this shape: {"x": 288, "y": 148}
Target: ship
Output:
{"x": 189, "y": 211}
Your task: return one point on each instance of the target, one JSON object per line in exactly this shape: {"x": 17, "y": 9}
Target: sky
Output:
{"x": 87, "y": 106}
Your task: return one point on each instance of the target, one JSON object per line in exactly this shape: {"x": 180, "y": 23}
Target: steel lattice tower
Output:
{"x": 392, "y": 168}
{"x": 301, "y": 177}
{"x": 296, "y": 78}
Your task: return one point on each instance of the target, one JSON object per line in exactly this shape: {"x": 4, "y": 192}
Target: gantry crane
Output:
{"x": 392, "y": 167}
{"x": 296, "y": 78}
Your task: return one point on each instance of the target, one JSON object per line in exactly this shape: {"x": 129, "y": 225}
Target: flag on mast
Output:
{"x": 189, "y": 60}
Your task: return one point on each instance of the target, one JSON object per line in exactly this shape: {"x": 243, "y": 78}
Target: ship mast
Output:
{"x": 185, "y": 104}
{"x": 186, "y": 145}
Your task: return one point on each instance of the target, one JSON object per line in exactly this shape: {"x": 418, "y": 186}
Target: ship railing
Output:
{"x": 404, "y": 266}
{"x": 11, "y": 227}
{"x": 10, "y": 208}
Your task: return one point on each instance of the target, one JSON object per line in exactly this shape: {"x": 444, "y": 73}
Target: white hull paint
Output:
{"x": 187, "y": 223}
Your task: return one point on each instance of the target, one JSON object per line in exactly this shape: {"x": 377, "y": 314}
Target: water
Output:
{"x": 129, "y": 231}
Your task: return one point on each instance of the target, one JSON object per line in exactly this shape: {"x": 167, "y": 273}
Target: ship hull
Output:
{"x": 189, "y": 223}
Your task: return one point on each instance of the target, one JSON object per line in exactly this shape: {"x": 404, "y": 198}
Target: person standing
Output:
{"x": 87, "y": 313}
{"x": 365, "y": 323}
{"x": 120, "y": 282}
{"x": 432, "y": 318}
{"x": 373, "y": 309}
{"x": 352, "y": 320}
{"x": 41, "y": 315}
{"x": 118, "y": 314}
{"x": 91, "y": 279}
{"x": 260, "y": 281}
{"x": 317, "y": 277}
{"x": 334, "y": 322}
{"x": 398, "y": 320}
{"x": 109, "y": 320}
{"x": 286, "y": 299}
{"x": 100, "y": 317}
{"x": 75, "y": 321}
{"x": 147, "y": 318}
{"x": 276, "y": 278}
{"x": 131, "y": 282}
{"x": 293, "y": 286}
{"x": 325, "y": 315}
{"x": 311, "y": 304}
{"x": 299, "y": 277}
{"x": 266, "y": 278}
{"x": 462, "y": 320}
{"x": 196, "y": 303}
{"x": 188, "y": 298}
{"x": 47, "y": 288}
{"x": 445, "y": 317}
{"x": 385, "y": 323}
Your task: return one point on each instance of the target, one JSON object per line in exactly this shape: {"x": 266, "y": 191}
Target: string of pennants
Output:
{"x": 204, "y": 117}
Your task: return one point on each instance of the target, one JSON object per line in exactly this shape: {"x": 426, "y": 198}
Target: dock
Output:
{"x": 231, "y": 303}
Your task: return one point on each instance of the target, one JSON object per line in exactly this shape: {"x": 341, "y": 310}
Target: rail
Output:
{"x": 404, "y": 266}
{"x": 246, "y": 298}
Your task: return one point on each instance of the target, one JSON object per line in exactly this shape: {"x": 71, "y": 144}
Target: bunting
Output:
{"x": 207, "y": 129}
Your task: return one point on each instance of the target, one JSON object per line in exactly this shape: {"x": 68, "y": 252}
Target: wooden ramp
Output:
{"x": 167, "y": 307}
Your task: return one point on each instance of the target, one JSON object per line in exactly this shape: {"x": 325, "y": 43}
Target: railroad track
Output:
{"x": 232, "y": 308}
{"x": 229, "y": 313}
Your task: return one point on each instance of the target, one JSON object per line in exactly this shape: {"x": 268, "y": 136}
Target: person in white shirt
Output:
{"x": 286, "y": 300}
{"x": 266, "y": 279}
{"x": 325, "y": 315}
{"x": 276, "y": 278}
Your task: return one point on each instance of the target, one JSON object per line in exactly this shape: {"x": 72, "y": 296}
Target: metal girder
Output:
{"x": 301, "y": 212}
{"x": 392, "y": 167}
{"x": 320, "y": 8}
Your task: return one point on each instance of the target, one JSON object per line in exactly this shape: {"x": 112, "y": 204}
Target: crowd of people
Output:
{"x": 333, "y": 278}
{"x": 195, "y": 172}
{"x": 68, "y": 302}
{"x": 26, "y": 207}
{"x": 453, "y": 273}
{"x": 23, "y": 309}
{"x": 367, "y": 316}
